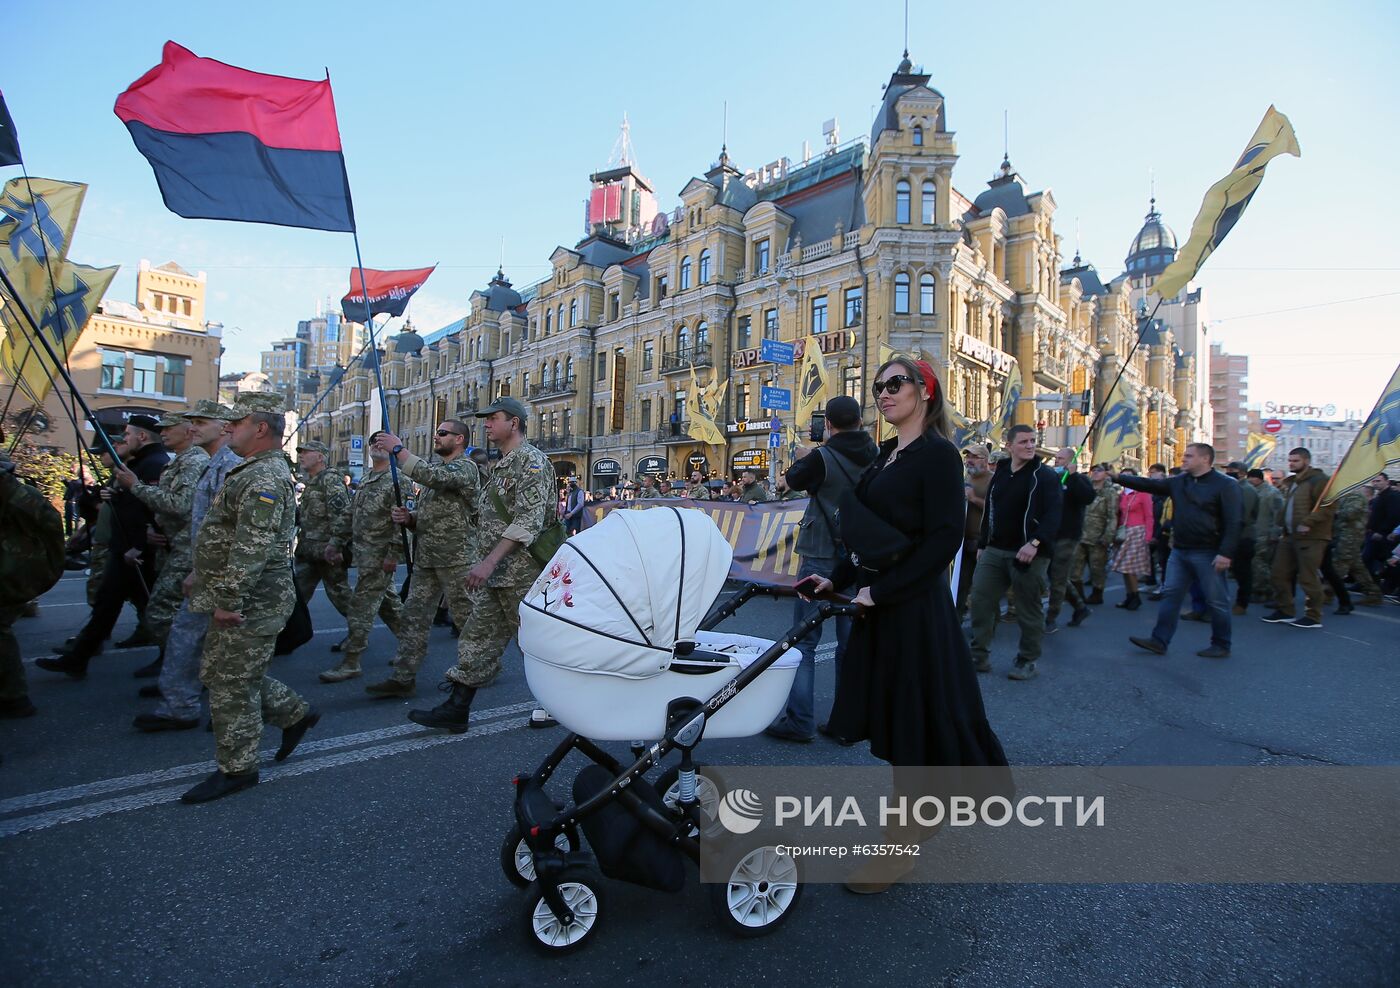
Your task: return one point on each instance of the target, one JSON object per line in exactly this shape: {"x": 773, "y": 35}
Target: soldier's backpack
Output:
{"x": 31, "y": 545}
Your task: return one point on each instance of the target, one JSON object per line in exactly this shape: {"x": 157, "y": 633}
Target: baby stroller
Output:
{"x": 618, "y": 645}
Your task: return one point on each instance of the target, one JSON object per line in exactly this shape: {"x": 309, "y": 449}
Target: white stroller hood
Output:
{"x": 616, "y": 598}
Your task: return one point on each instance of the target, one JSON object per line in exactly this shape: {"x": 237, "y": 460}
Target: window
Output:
{"x": 568, "y": 370}
{"x": 558, "y": 379}
{"x": 187, "y": 307}
{"x": 918, "y": 137}
{"x": 663, "y": 284}
{"x": 901, "y": 294}
{"x": 680, "y": 406}
{"x": 702, "y": 335}
{"x": 615, "y": 306}
{"x": 685, "y": 273}
{"x": 741, "y": 401}
{"x": 901, "y": 201}
{"x": 704, "y": 267}
{"x": 761, "y": 251}
{"x": 925, "y": 294}
{"x": 573, "y": 313}
{"x": 559, "y": 318}
{"x": 602, "y": 370}
{"x": 174, "y": 383}
{"x": 113, "y": 370}
{"x": 648, "y": 355}
{"x": 745, "y": 331}
{"x": 850, "y": 383}
{"x": 770, "y": 324}
{"x": 143, "y": 373}
{"x": 646, "y": 415}
{"x": 548, "y": 317}
{"x": 682, "y": 339}
{"x": 598, "y": 420}
{"x": 525, "y": 383}
{"x": 927, "y": 201}
{"x": 545, "y": 377}
{"x": 819, "y": 315}
{"x": 853, "y": 304}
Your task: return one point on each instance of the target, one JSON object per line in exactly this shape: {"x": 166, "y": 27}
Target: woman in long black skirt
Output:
{"x": 907, "y": 680}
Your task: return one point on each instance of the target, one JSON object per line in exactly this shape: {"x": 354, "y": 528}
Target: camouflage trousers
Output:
{"x": 168, "y": 593}
{"x": 310, "y": 572}
{"x": 242, "y": 696}
{"x": 179, "y": 673}
{"x": 373, "y": 594}
{"x": 12, "y": 682}
{"x": 430, "y": 584}
{"x": 1264, "y": 569}
{"x": 1096, "y": 558}
{"x": 97, "y": 563}
{"x": 1346, "y": 561}
{"x": 494, "y": 621}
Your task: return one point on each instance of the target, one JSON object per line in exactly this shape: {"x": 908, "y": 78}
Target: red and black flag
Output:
{"x": 389, "y": 292}
{"x": 9, "y": 140}
{"x": 229, "y": 144}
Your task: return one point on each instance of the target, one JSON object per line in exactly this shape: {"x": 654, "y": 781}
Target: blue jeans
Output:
{"x": 1184, "y": 566}
{"x": 802, "y": 699}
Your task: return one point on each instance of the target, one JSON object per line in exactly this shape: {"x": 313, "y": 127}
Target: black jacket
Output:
{"x": 1040, "y": 516}
{"x": 808, "y": 473}
{"x": 1078, "y": 494}
{"x": 130, "y": 516}
{"x": 1385, "y": 512}
{"x": 1206, "y": 510}
{"x": 817, "y": 537}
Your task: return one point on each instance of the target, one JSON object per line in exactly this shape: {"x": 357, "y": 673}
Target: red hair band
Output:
{"x": 930, "y": 380}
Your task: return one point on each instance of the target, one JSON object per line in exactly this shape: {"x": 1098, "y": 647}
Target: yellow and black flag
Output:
{"x": 1119, "y": 425}
{"x": 1258, "y": 446}
{"x": 79, "y": 290}
{"x": 1376, "y": 446}
{"x": 812, "y": 383}
{"x": 702, "y": 427}
{"x": 1227, "y": 199}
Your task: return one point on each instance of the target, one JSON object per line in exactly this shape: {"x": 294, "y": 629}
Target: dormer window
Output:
{"x": 918, "y": 137}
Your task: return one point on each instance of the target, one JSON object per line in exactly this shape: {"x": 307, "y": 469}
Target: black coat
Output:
{"x": 131, "y": 516}
{"x": 907, "y": 681}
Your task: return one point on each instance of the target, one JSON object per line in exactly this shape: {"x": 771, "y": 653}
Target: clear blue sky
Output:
{"x": 466, "y": 123}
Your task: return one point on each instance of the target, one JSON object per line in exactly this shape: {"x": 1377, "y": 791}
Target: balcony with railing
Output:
{"x": 678, "y": 432}
{"x": 559, "y": 442}
{"x": 1052, "y": 372}
{"x": 700, "y": 355}
{"x": 554, "y": 389}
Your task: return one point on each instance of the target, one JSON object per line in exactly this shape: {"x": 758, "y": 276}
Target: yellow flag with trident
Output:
{"x": 1119, "y": 425}
{"x": 1258, "y": 446}
{"x": 1375, "y": 447}
{"x": 813, "y": 388}
{"x": 702, "y": 426}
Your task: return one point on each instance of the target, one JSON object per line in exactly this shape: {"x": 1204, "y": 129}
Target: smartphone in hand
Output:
{"x": 807, "y": 586}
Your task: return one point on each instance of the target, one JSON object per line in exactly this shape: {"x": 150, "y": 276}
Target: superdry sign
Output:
{"x": 837, "y": 341}
{"x": 1278, "y": 410}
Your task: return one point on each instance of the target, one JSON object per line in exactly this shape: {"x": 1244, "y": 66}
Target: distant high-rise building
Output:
{"x": 1229, "y": 386}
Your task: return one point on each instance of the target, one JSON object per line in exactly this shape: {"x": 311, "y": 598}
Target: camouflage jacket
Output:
{"x": 172, "y": 500}
{"x": 242, "y": 559}
{"x": 698, "y": 492}
{"x": 646, "y": 492}
{"x": 523, "y": 480}
{"x": 446, "y": 511}
{"x": 1267, "y": 526}
{"x": 1352, "y": 514}
{"x": 31, "y": 544}
{"x": 323, "y": 504}
{"x": 1101, "y": 517}
{"x": 214, "y": 474}
{"x": 368, "y": 527}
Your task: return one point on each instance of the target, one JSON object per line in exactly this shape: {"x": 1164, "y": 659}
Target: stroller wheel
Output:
{"x": 518, "y": 862}
{"x": 580, "y": 886}
{"x": 763, "y": 889}
{"x": 708, "y": 789}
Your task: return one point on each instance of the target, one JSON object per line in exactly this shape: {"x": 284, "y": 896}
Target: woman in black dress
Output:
{"x": 907, "y": 680}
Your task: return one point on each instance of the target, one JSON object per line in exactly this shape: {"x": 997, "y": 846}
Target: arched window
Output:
{"x": 918, "y": 137}
{"x": 704, "y": 267}
{"x": 568, "y": 369}
{"x": 573, "y": 313}
{"x": 925, "y": 294}
{"x": 682, "y": 339}
{"x": 557, "y": 379}
{"x": 685, "y": 273}
{"x": 901, "y": 294}
{"x": 901, "y": 201}
{"x": 545, "y": 379}
{"x": 702, "y": 334}
{"x": 927, "y": 199}
{"x": 559, "y": 318}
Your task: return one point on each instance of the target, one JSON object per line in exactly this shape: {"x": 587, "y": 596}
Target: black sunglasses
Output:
{"x": 890, "y": 384}
{"x": 447, "y": 432}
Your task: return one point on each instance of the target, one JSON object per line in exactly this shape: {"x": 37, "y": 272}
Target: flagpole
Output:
{"x": 1098, "y": 412}
{"x": 383, "y": 398}
{"x": 331, "y": 387}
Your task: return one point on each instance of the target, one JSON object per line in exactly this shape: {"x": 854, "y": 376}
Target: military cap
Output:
{"x": 249, "y": 402}
{"x": 507, "y": 404}
{"x": 977, "y": 449}
{"x": 1237, "y": 465}
{"x": 172, "y": 419}
{"x": 206, "y": 408}
{"x": 144, "y": 422}
{"x": 314, "y": 446}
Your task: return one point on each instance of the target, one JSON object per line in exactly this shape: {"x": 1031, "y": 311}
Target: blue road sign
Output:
{"x": 775, "y": 440}
{"x": 777, "y": 399}
{"x": 775, "y": 352}
{"x": 357, "y": 442}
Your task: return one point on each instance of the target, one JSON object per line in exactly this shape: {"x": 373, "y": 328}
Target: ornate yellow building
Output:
{"x": 867, "y": 243}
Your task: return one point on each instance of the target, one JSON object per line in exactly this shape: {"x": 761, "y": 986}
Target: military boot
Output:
{"x": 451, "y": 714}
{"x": 393, "y": 688}
{"x": 1096, "y": 597}
{"x": 349, "y": 668}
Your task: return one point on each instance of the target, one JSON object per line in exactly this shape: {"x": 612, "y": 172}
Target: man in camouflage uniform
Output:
{"x": 444, "y": 522}
{"x": 323, "y": 504}
{"x": 1100, "y": 526}
{"x": 377, "y": 551}
{"x": 170, "y": 501}
{"x": 515, "y": 506}
{"x": 1267, "y": 529}
{"x": 1350, "y": 529}
{"x": 696, "y": 489}
{"x": 179, "y": 687}
{"x": 31, "y": 561}
{"x": 243, "y": 579}
{"x": 102, "y": 531}
{"x": 648, "y": 488}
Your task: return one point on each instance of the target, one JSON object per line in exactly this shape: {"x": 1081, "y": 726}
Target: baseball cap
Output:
{"x": 314, "y": 446}
{"x": 977, "y": 449}
{"x": 172, "y": 419}
{"x": 249, "y": 402}
{"x": 843, "y": 412}
{"x": 208, "y": 409}
{"x": 507, "y": 404}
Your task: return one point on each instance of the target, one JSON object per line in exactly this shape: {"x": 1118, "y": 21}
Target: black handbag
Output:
{"x": 873, "y": 543}
{"x": 297, "y": 631}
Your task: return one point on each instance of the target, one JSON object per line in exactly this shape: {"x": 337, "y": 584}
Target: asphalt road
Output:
{"x": 370, "y": 857}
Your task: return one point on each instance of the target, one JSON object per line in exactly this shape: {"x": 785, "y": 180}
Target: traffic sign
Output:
{"x": 775, "y": 440}
{"x": 776, "y": 352}
{"x": 776, "y": 399}
{"x": 1273, "y": 426}
{"x": 357, "y": 442}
